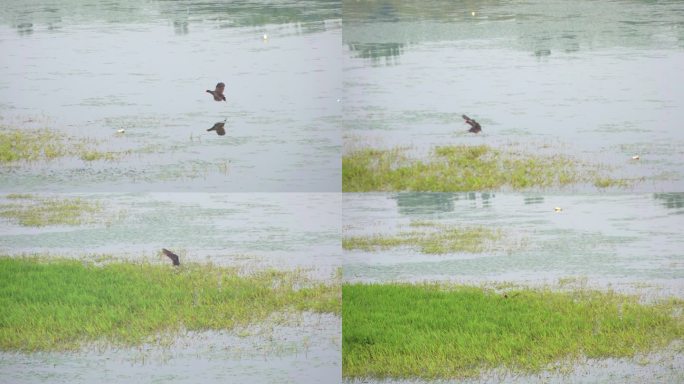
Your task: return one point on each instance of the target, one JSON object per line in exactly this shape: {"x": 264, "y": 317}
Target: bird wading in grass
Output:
{"x": 474, "y": 125}
{"x": 219, "y": 128}
{"x": 218, "y": 92}
{"x": 174, "y": 258}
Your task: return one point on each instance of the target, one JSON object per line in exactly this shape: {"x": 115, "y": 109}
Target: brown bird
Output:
{"x": 218, "y": 92}
{"x": 218, "y": 127}
{"x": 474, "y": 125}
{"x": 174, "y": 258}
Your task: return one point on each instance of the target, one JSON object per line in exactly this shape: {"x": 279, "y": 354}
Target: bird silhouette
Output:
{"x": 474, "y": 125}
{"x": 218, "y": 92}
{"x": 218, "y": 127}
{"x": 174, "y": 258}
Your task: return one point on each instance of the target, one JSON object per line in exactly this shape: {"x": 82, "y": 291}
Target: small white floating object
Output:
{"x": 635, "y": 157}
{"x": 472, "y": 13}
{"x": 121, "y": 130}
{"x": 265, "y": 36}
{"x": 558, "y": 209}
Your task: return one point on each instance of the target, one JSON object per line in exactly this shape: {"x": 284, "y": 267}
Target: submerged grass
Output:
{"x": 442, "y": 239}
{"x": 28, "y": 145}
{"x": 460, "y": 168}
{"x": 63, "y": 304}
{"x": 40, "y": 212}
{"x": 437, "y": 331}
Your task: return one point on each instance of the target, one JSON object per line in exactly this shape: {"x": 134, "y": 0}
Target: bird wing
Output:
{"x": 220, "y": 87}
{"x": 172, "y": 256}
{"x": 470, "y": 121}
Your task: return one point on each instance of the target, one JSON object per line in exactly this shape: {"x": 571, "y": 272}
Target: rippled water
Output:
{"x": 623, "y": 242}
{"x": 89, "y": 68}
{"x": 596, "y": 81}
{"x": 289, "y": 230}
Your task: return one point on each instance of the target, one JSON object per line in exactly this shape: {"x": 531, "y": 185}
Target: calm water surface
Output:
{"x": 624, "y": 242}
{"x": 89, "y": 68}
{"x": 598, "y": 81}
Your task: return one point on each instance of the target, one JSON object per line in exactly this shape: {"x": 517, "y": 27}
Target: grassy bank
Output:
{"x": 462, "y": 168}
{"x": 33, "y": 211}
{"x": 435, "y": 331}
{"x": 436, "y": 239}
{"x": 62, "y": 304}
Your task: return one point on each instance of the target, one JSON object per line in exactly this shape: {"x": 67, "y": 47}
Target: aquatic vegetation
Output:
{"x": 18, "y": 145}
{"x": 458, "y": 168}
{"x": 18, "y": 196}
{"x": 442, "y": 239}
{"x": 60, "y": 304}
{"x": 441, "y": 331}
{"x": 91, "y": 155}
{"x": 43, "y": 211}
{"x": 607, "y": 182}
{"x": 30, "y": 145}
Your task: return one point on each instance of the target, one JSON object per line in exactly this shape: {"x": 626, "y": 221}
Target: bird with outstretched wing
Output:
{"x": 474, "y": 125}
{"x": 174, "y": 258}
{"x": 218, "y": 92}
{"x": 219, "y": 128}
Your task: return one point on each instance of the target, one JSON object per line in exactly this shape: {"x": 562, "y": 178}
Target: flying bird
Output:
{"x": 474, "y": 125}
{"x": 174, "y": 258}
{"x": 218, "y": 127}
{"x": 218, "y": 92}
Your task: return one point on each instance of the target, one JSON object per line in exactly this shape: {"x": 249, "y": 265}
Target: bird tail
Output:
{"x": 211, "y": 92}
{"x": 210, "y": 129}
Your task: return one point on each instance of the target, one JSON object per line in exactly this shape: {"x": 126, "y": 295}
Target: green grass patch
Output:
{"x": 18, "y": 196}
{"x": 63, "y": 304}
{"x": 608, "y": 182}
{"x": 40, "y": 212}
{"x": 458, "y": 168}
{"x": 437, "y": 331}
{"x": 441, "y": 239}
{"x": 28, "y": 145}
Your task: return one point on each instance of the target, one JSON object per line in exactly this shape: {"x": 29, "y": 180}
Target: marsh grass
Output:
{"x": 42, "y": 211}
{"x": 461, "y": 168}
{"x": 64, "y": 304}
{"x": 30, "y": 145}
{"x": 439, "y": 331}
{"x": 438, "y": 239}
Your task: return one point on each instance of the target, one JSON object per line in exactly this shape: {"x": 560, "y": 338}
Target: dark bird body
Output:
{"x": 174, "y": 258}
{"x": 218, "y": 92}
{"x": 474, "y": 125}
{"x": 219, "y": 128}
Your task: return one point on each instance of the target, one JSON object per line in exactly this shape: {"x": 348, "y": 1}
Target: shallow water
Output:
{"x": 254, "y": 231}
{"x": 595, "y": 81}
{"x": 305, "y": 349}
{"x": 629, "y": 243}
{"x": 88, "y": 68}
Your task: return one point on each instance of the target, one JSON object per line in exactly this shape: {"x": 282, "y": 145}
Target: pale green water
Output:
{"x": 88, "y": 68}
{"x": 623, "y": 242}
